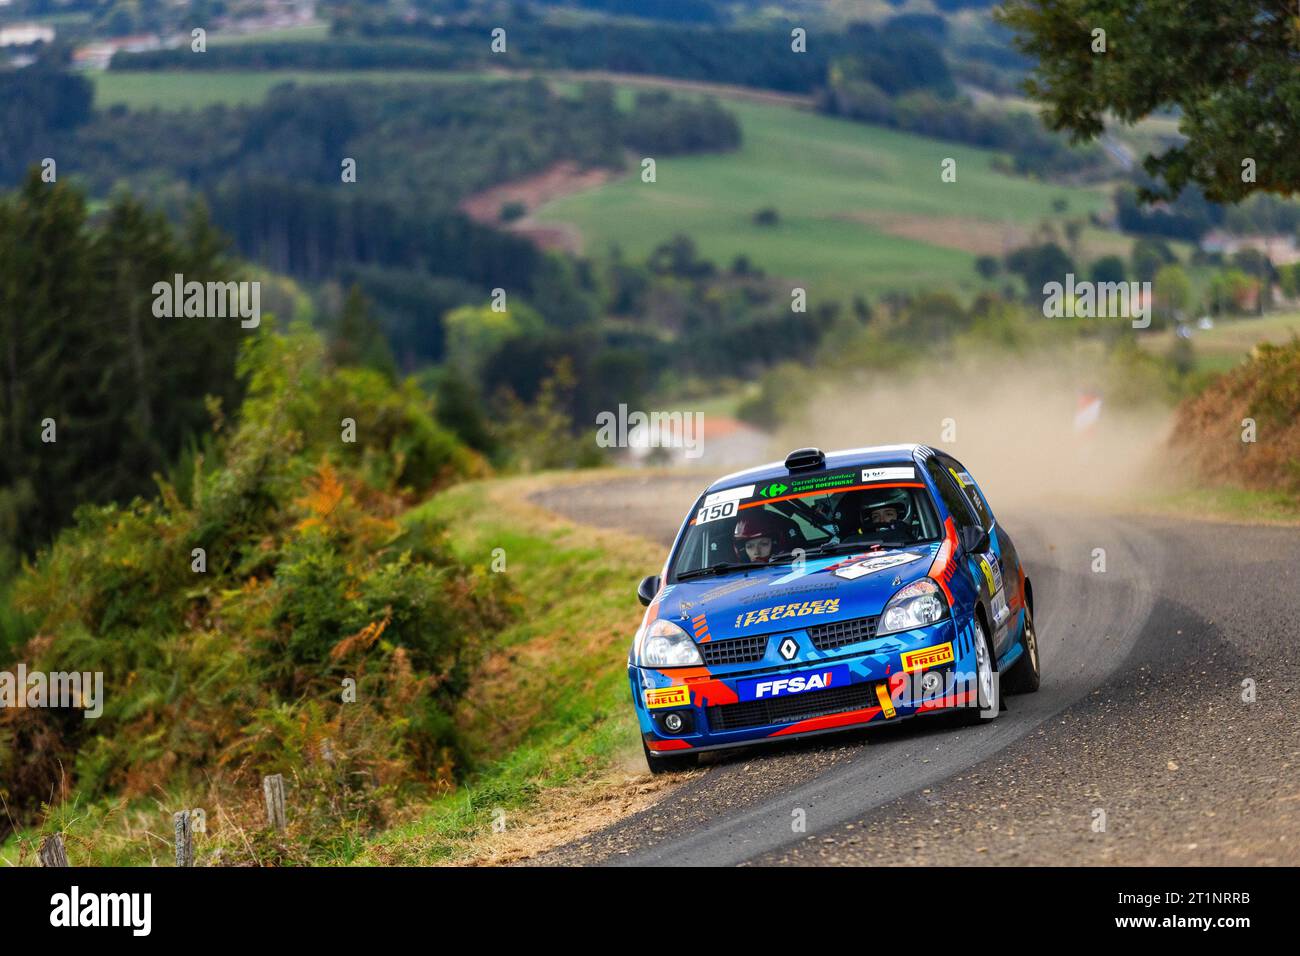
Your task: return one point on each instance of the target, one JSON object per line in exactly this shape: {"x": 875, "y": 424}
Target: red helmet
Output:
{"x": 756, "y": 523}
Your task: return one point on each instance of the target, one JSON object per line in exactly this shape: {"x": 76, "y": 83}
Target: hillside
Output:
{"x": 858, "y": 205}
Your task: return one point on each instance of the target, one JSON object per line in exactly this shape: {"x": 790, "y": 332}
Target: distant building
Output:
{"x": 96, "y": 56}
{"x": 25, "y": 34}
{"x": 1281, "y": 250}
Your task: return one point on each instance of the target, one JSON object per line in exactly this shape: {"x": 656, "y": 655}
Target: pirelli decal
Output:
{"x": 676, "y": 696}
{"x": 928, "y": 657}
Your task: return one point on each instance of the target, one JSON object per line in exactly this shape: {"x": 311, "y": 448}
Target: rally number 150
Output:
{"x": 723, "y": 509}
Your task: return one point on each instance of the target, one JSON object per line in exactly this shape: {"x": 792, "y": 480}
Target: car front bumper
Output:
{"x": 883, "y": 680}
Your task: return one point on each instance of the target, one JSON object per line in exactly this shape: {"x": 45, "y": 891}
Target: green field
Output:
{"x": 191, "y": 89}
{"x": 296, "y": 34}
{"x": 861, "y": 208}
{"x": 832, "y": 182}
{"x": 1230, "y": 341}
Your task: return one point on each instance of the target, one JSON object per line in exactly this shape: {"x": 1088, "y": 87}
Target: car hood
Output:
{"x": 835, "y": 588}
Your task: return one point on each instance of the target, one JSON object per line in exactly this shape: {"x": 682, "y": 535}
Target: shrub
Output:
{"x": 1208, "y": 427}
{"x": 310, "y": 580}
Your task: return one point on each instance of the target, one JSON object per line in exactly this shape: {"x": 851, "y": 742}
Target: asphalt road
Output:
{"x": 1140, "y": 746}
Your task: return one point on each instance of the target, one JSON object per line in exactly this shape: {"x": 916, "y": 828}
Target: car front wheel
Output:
{"x": 986, "y": 678}
{"x": 669, "y": 763}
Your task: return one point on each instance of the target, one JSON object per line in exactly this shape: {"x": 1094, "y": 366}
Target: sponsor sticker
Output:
{"x": 780, "y": 612}
{"x": 928, "y": 657}
{"x": 1000, "y": 609}
{"x": 676, "y": 696}
{"x": 729, "y": 494}
{"x": 897, "y": 473}
{"x": 988, "y": 573}
{"x": 786, "y": 685}
{"x": 873, "y": 564}
{"x": 807, "y": 485}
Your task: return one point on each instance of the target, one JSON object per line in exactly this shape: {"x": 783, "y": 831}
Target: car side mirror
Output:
{"x": 974, "y": 539}
{"x": 647, "y": 589}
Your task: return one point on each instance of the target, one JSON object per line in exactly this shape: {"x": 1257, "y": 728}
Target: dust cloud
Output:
{"x": 1020, "y": 424}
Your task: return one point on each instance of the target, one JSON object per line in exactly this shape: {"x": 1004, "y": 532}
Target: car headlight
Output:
{"x": 664, "y": 644}
{"x": 918, "y": 604}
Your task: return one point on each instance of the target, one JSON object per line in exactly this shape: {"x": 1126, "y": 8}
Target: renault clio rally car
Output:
{"x": 826, "y": 592}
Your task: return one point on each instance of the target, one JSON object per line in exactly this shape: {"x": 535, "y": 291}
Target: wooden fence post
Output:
{"x": 273, "y": 793}
{"x": 184, "y": 838}
{"x": 51, "y": 851}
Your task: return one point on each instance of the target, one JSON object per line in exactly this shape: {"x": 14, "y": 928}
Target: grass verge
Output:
{"x": 552, "y": 739}
{"x": 548, "y": 721}
{"x": 1226, "y": 503}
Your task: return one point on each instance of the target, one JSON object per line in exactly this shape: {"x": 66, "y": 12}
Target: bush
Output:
{"x": 236, "y": 666}
{"x": 1208, "y": 429}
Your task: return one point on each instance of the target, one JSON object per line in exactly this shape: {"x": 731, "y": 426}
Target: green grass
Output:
{"x": 1227, "y": 504}
{"x": 827, "y": 178}
{"x": 549, "y": 711}
{"x": 558, "y": 715}
{"x": 310, "y": 31}
{"x": 1230, "y": 341}
{"x": 192, "y": 89}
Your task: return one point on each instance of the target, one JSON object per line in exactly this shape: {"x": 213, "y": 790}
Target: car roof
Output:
{"x": 876, "y": 455}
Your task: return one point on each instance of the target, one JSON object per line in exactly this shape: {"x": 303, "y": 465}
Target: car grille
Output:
{"x": 787, "y": 710}
{"x": 827, "y": 637}
{"x": 737, "y": 650}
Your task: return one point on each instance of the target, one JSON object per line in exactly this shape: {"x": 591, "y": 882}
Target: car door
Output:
{"x": 993, "y": 566}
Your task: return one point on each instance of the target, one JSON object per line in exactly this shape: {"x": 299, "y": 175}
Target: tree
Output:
{"x": 1040, "y": 264}
{"x": 80, "y": 345}
{"x": 1148, "y": 256}
{"x": 987, "y": 266}
{"x": 1108, "y": 269}
{"x": 474, "y": 333}
{"x": 358, "y": 339}
{"x": 1231, "y": 291}
{"x": 1289, "y": 277}
{"x": 460, "y": 409}
{"x": 1227, "y": 66}
{"x": 1172, "y": 289}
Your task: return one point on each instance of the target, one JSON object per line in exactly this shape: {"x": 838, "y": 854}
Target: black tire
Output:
{"x": 973, "y": 715}
{"x": 1023, "y": 676}
{"x": 669, "y": 763}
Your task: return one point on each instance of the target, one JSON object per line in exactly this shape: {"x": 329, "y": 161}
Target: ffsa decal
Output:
{"x": 765, "y": 688}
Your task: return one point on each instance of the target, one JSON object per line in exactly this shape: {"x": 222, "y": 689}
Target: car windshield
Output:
{"x": 777, "y": 521}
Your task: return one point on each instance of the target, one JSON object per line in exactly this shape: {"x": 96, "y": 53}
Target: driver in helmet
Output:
{"x": 756, "y": 535}
{"x": 884, "y": 517}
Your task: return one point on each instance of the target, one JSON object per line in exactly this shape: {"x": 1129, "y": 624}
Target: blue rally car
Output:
{"x": 826, "y": 592}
